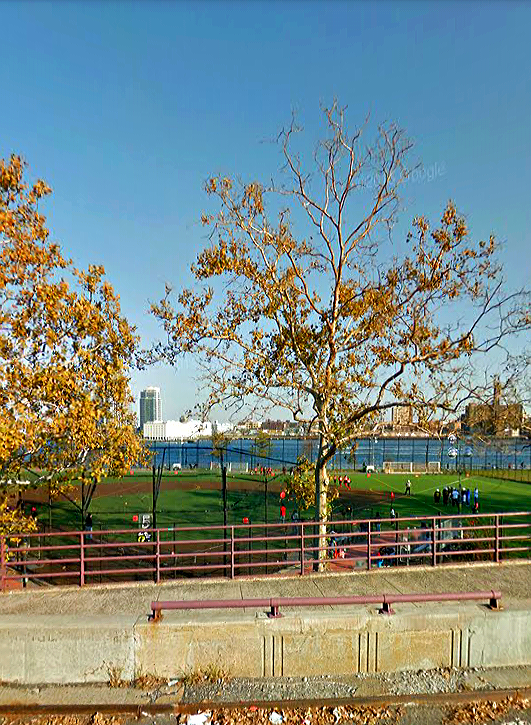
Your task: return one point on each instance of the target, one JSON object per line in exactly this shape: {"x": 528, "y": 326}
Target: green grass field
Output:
{"x": 204, "y": 506}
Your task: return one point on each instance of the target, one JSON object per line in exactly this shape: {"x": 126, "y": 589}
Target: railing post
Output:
{"x": 302, "y": 549}
{"x": 82, "y": 559}
{"x": 250, "y": 547}
{"x": 497, "y": 538}
{"x": 157, "y": 558}
{"x": 232, "y": 552}
{"x": 369, "y": 556}
{"x": 434, "y": 542}
{"x": 3, "y": 563}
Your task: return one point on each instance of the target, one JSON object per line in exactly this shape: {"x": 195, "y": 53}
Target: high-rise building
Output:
{"x": 150, "y": 406}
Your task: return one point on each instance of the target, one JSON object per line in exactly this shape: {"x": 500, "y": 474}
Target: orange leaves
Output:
{"x": 213, "y": 261}
{"x": 301, "y": 485}
{"x": 218, "y": 185}
{"x": 253, "y": 198}
{"x": 11, "y": 174}
{"x": 64, "y": 352}
{"x": 13, "y": 520}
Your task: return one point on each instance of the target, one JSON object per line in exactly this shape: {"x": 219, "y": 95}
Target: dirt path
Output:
{"x": 130, "y": 485}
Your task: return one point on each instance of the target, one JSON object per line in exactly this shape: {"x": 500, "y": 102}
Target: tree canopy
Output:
{"x": 305, "y": 299}
{"x": 65, "y": 350}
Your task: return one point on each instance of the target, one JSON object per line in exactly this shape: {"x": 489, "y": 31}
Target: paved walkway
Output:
{"x": 513, "y": 579}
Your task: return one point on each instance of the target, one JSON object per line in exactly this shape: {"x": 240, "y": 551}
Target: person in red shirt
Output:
{"x": 283, "y": 513}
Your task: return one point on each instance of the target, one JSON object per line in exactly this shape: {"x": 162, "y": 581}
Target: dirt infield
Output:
{"x": 130, "y": 485}
{"x": 176, "y": 483}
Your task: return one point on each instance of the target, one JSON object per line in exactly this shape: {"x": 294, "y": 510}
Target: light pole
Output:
{"x": 453, "y": 452}
{"x": 468, "y": 453}
{"x": 374, "y": 441}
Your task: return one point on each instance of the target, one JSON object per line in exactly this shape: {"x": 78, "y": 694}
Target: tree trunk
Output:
{"x": 321, "y": 508}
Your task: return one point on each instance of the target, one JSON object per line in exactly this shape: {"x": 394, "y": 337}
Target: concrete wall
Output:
{"x": 67, "y": 649}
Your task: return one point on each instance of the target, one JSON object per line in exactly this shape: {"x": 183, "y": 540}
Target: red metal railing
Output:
{"x": 274, "y": 603}
{"x": 83, "y": 557}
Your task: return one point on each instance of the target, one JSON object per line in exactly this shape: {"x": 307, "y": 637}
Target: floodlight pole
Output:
{"x": 157, "y": 478}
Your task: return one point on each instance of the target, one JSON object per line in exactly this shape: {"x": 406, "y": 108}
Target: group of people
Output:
{"x": 342, "y": 480}
{"x": 263, "y": 471}
{"x": 450, "y": 495}
{"x": 457, "y": 497}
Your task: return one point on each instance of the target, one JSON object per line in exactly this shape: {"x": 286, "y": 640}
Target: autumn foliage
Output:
{"x": 65, "y": 350}
{"x": 306, "y": 298}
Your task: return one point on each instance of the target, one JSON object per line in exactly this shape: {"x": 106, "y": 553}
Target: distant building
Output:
{"x": 248, "y": 427}
{"x": 150, "y": 406}
{"x": 274, "y": 426}
{"x": 402, "y": 415}
{"x": 494, "y": 418}
{"x": 172, "y": 430}
{"x": 295, "y": 428}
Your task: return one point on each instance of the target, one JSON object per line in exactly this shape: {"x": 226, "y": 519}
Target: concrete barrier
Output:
{"x": 340, "y": 644}
{"x": 52, "y": 649}
{"x": 66, "y": 649}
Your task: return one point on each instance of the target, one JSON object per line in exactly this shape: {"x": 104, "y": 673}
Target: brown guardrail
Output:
{"x": 82, "y": 557}
{"x": 274, "y": 603}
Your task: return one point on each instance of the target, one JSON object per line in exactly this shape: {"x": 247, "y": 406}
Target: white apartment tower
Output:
{"x": 150, "y": 406}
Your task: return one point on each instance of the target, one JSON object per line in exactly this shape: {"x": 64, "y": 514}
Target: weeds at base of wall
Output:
{"x": 141, "y": 682}
{"x": 115, "y": 677}
{"x": 211, "y": 673}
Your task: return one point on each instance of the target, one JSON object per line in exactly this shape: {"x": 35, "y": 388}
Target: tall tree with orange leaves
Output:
{"x": 65, "y": 351}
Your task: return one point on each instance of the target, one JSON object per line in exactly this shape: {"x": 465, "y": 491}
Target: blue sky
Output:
{"x": 125, "y": 108}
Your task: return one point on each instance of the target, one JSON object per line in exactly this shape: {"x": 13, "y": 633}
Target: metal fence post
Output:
{"x": 173, "y": 545}
{"x": 82, "y": 559}
{"x": 302, "y": 549}
{"x": 434, "y": 542}
{"x": 250, "y": 546}
{"x": 157, "y": 558}
{"x": 369, "y": 557}
{"x": 232, "y": 552}
{"x": 3, "y": 564}
{"x": 497, "y": 538}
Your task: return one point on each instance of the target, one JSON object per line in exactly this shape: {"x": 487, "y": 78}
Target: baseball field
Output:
{"x": 194, "y": 498}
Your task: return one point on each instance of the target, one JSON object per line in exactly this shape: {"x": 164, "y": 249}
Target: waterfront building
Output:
{"x": 496, "y": 418}
{"x": 175, "y": 430}
{"x": 150, "y": 406}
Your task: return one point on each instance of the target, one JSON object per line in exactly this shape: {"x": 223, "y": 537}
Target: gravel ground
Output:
{"x": 270, "y": 688}
{"x": 329, "y": 687}
{"x": 431, "y": 681}
{"x": 277, "y": 691}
